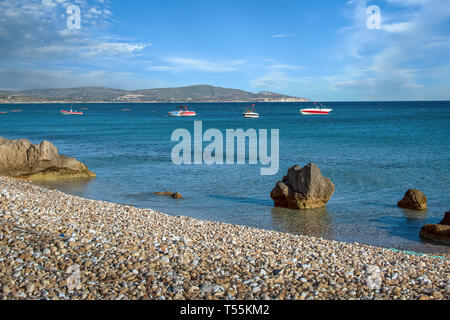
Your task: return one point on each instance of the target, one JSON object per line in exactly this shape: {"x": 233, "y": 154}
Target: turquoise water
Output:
{"x": 372, "y": 151}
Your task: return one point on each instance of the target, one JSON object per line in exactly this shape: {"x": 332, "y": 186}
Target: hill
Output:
{"x": 196, "y": 93}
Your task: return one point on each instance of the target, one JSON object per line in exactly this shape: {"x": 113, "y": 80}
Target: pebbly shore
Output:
{"x": 57, "y": 246}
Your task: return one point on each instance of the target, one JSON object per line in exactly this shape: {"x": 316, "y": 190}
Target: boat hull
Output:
{"x": 315, "y": 111}
{"x": 71, "y": 113}
{"x": 182, "y": 114}
{"x": 251, "y": 115}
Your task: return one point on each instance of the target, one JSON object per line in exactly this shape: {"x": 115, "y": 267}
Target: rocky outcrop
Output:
{"x": 303, "y": 188}
{"x": 175, "y": 195}
{"x": 22, "y": 159}
{"x": 414, "y": 200}
{"x": 438, "y": 232}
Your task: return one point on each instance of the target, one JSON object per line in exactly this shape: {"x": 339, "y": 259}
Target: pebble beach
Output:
{"x": 58, "y": 246}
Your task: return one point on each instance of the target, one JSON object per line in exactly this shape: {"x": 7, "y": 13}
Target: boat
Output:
{"x": 250, "y": 113}
{"x": 316, "y": 110}
{"x": 16, "y": 110}
{"x": 182, "y": 111}
{"x": 71, "y": 112}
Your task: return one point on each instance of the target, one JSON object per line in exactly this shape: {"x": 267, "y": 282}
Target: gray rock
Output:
{"x": 303, "y": 188}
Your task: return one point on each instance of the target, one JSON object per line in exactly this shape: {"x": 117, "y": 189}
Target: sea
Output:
{"x": 372, "y": 151}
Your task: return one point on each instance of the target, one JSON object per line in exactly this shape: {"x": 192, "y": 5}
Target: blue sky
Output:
{"x": 317, "y": 49}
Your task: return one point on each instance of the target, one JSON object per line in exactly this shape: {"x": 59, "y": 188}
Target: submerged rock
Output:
{"x": 303, "y": 188}
{"x": 414, "y": 200}
{"x": 165, "y": 193}
{"x": 438, "y": 232}
{"x": 22, "y": 159}
{"x": 175, "y": 195}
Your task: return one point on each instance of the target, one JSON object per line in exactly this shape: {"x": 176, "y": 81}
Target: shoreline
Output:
{"x": 143, "y": 102}
{"x": 127, "y": 253}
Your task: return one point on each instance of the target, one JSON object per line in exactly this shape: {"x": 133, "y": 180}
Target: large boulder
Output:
{"x": 303, "y": 188}
{"x": 414, "y": 200}
{"x": 438, "y": 232}
{"x": 22, "y": 159}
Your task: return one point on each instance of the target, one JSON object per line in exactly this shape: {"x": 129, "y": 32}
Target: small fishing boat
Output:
{"x": 126, "y": 109}
{"x": 182, "y": 111}
{"x": 71, "y": 112}
{"x": 16, "y": 110}
{"x": 250, "y": 113}
{"x": 316, "y": 110}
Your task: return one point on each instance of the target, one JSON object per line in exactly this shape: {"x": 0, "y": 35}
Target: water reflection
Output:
{"x": 314, "y": 222}
{"x": 76, "y": 187}
{"x": 414, "y": 214}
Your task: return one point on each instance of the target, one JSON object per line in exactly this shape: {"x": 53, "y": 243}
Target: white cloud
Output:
{"x": 398, "y": 27}
{"x": 285, "y": 67}
{"x": 65, "y": 78}
{"x": 283, "y": 35}
{"x": 178, "y": 64}
{"x": 25, "y": 25}
{"x": 277, "y": 80}
{"x": 393, "y": 63}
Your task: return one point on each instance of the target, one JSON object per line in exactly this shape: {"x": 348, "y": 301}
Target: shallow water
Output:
{"x": 372, "y": 151}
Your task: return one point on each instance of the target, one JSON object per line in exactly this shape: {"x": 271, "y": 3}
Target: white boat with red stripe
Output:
{"x": 317, "y": 110}
{"x": 71, "y": 112}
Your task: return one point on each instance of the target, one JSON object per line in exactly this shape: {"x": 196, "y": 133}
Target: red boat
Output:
{"x": 182, "y": 112}
{"x": 71, "y": 112}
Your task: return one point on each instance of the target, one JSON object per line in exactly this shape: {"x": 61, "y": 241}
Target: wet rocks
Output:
{"x": 438, "y": 232}
{"x": 413, "y": 200}
{"x": 303, "y": 188}
{"x": 175, "y": 195}
{"x": 20, "y": 158}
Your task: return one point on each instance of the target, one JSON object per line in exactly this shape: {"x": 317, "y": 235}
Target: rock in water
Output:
{"x": 303, "y": 188}
{"x": 446, "y": 220}
{"x": 175, "y": 195}
{"x": 414, "y": 200}
{"x": 22, "y": 159}
{"x": 165, "y": 193}
{"x": 438, "y": 232}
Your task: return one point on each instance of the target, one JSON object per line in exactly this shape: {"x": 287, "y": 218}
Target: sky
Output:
{"x": 323, "y": 50}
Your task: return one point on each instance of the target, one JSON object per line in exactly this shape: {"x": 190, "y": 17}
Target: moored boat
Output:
{"x": 250, "y": 113}
{"x": 182, "y": 112}
{"x": 316, "y": 110}
{"x": 71, "y": 112}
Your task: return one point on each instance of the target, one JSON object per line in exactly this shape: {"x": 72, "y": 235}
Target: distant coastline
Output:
{"x": 191, "y": 94}
{"x": 140, "y": 102}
